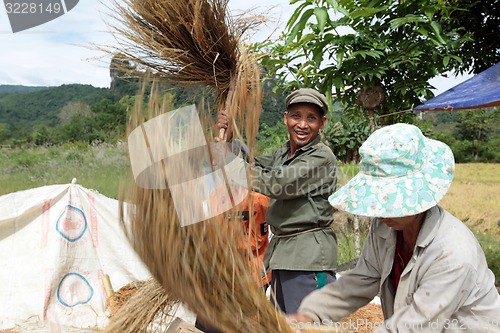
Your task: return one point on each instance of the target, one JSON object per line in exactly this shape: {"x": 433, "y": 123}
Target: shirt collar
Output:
{"x": 316, "y": 140}
{"x": 428, "y": 230}
{"x": 429, "y": 227}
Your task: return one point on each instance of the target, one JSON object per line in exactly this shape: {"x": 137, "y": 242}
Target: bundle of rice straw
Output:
{"x": 120, "y": 297}
{"x": 196, "y": 42}
{"x": 201, "y": 265}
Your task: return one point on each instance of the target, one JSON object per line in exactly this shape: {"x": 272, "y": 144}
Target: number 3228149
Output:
{"x": 33, "y": 8}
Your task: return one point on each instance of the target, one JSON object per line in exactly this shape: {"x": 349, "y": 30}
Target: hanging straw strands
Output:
{"x": 191, "y": 42}
{"x": 204, "y": 265}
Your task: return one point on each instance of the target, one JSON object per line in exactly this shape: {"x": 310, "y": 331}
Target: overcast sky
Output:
{"x": 58, "y": 52}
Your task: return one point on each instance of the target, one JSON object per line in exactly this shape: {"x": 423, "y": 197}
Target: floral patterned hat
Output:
{"x": 401, "y": 173}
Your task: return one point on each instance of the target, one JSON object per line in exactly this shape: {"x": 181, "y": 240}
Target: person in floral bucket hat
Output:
{"x": 426, "y": 265}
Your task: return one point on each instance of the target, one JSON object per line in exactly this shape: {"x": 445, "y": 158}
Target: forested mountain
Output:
{"x": 7, "y": 89}
{"x": 41, "y": 106}
{"x": 75, "y": 112}
{"x": 54, "y": 115}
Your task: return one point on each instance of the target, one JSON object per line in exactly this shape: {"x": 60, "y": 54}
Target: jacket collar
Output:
{"x": 429, "y": 227}
{"x": 427, "y": 233}
{"x": 384, "y": 231}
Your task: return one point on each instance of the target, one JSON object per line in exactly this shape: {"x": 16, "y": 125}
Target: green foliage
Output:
{"x": 473, "y": 135}
{"x": 341, "y": 47}
{"x": 475, "y": 124}
{"x": 480, "y": 19}
{"x": 46, "y": 116}
{"x": 26, "y": 159}
{"x": 271, "y": 138}
{"x": 4, "y": 132}
{"x": 346, "y": 136}
{"x": 41, "y": 108}
{"x": 346, "y": 244}
{"x": 491, "y": 153}
{"x": 273, "y": 104}
{"x": 9, "y": 89}
{"x": 43, "y": 105}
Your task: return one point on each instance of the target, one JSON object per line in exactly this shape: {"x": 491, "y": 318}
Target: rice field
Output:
{"x": 474, "y": 196}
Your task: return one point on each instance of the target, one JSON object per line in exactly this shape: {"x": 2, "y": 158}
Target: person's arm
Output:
{"x": 314, "y": 173}
{"x": 350, "y": 292}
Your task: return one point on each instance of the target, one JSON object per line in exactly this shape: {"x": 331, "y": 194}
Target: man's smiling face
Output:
{"x": 304, "y": 120}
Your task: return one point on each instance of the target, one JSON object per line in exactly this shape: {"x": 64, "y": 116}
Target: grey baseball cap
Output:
{"x": 308, "y": 95}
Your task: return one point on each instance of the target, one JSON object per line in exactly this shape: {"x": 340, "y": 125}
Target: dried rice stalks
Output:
{"x": 195, "y": 42}
{"x": 148, "y": 303}
{"x": 120, "y": 297}
{"x": 202, "y": 265}
{"x": 192, "y": 42}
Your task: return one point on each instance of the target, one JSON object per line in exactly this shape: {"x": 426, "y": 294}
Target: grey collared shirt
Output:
{"x": 446, "y": 286}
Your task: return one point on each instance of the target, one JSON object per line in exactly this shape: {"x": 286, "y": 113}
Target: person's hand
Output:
{"x": 299, "y": 321}
{"x": 224, "y": 123}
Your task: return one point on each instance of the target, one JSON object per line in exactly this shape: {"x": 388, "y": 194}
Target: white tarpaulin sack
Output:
{"x": 56, "y": 244}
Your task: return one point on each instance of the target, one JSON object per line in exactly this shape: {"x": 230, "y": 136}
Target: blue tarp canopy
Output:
{"x": 480, "y": 91}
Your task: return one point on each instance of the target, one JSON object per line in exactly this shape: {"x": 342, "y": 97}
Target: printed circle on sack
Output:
{"x": 72, "y": 223}
{"x": 74, "y": 289}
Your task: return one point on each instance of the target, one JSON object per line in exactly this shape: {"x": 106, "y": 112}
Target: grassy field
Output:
{"x": 474, "y": 196}
{"x": 101, "y": 167}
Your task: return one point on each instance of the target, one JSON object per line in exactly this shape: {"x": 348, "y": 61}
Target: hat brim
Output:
{"x": 376, "y": 196}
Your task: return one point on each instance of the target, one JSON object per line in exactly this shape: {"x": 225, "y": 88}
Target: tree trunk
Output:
{"x": 372, "y": 121}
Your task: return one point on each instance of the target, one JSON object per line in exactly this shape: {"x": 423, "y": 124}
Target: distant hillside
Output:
{"x": 41, "y": 106}
{"x": 7, "y": 89}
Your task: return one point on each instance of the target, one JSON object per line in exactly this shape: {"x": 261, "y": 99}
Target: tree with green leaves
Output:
{"x": 474, "y": 129}
{"x": 479, "y": 19}
{"x": 361, "y": 52}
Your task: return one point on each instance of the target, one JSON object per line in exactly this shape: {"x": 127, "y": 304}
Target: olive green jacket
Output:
{"x": 299, "y": 213}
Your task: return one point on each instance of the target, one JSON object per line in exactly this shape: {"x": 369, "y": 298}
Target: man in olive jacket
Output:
{"x": 298, "y": 178}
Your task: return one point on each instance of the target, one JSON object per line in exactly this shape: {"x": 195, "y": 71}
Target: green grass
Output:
{"x": 345, "y": 172}
{"x": 346, "y": 246}
{"x": 491, "y": 247}
{"x": 100, "y": 168}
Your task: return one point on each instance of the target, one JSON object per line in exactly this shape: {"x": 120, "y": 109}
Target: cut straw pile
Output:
{"x": 201, "y": 265}
{"x": 136, "y": 307}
